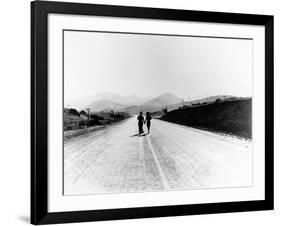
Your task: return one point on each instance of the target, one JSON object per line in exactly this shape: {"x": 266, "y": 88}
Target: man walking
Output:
{"x": 140, "y": 123}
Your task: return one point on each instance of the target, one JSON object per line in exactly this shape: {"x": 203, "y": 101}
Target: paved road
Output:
{"x": 171, "y": 157}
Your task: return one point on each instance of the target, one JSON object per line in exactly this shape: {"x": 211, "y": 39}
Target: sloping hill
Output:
{"x": 200, "y": 101}
{"x": 134, "y": 100}
{"x": 103, "y": 105}
{"x": 163, "y": 100}
{"x": 136, "y": 109}
{"x": 125, "y": 100}
{"x": 232, "y": 117}
{"x": 72, "y": 120}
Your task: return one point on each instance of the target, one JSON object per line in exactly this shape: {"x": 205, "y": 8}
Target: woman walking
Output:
{"x": 148, "y": 121}
{"x": 141, "y": 122}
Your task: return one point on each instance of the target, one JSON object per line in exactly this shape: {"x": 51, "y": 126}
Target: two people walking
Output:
{"x": 142, "y": 121}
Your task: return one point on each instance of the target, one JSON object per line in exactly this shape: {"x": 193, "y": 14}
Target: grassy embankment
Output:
{"x": 76, "y": 123}
{"x": 231, "y": 117}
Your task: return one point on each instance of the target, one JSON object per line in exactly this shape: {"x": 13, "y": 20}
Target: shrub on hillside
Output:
{"x": 82, "y": 124}
{"x": 73, "y": 111}
{"x": 83, "y": 112}
{"x": 165, "y": 110}
{"x": 96, "y": 117}
{"x": 94, "y": 122}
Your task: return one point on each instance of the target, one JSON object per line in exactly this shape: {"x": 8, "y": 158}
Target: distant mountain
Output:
{"x": 124, "y": 100}
{"x": 134, "y": 104}
{"x": 163, "y": 100}
{"x": 136, "y": 109}
{"x": 135, "y": 100}
{"x": 105, "y": 105}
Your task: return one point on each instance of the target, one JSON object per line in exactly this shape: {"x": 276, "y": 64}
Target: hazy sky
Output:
{"x": 149, "y": 65}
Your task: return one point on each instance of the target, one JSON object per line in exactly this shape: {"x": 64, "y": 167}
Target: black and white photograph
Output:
{"x": 149, "y": 112}
{"x": 146, "y": 112}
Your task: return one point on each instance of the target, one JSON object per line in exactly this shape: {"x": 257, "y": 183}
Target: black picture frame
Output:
{"x": 39, "y": 112}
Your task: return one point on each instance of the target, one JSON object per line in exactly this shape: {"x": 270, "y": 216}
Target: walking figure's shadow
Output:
{"x": 139, "y": 135}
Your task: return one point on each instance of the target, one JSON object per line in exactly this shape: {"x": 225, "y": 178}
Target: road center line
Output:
{"x": 160, "y": 170}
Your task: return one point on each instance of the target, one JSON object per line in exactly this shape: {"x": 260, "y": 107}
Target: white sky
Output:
{"x": 149, "y": 65}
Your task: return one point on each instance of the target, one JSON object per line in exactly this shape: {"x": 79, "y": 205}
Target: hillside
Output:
{"x": 105, "y": 105}
{"x": 163, "y": 100}
{"x": 135, "y": 100}
{"x": 231, "y": 117}
{"x": 136, "y": 109}
{"x": 124, "y": 100}
{"x": 74, "y": 120}
{"x": 200, "y": 101}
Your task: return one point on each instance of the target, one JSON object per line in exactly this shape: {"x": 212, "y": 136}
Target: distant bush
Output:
{"x": 165, "y": 110}
{"x": 96, "y": 117}
{"x": 112, "y": 114}
{"x": 157, "y": 113}
{"x": 118, "y": 117}
{"x": 73, "y": 112}
{"x": 82, "y": 124}
{"x": 184, "y": 106}
{"x": 83, "y": 112}
{"x": 94, "y": 122}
